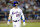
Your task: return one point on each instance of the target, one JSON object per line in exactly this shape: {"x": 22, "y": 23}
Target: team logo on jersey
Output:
{"x": 14, "y": 12}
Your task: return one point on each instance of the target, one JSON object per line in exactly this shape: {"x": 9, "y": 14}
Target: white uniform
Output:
{"x": 16, "y": 14}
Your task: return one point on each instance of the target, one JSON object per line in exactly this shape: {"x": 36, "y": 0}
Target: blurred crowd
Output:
{"x": 31, "y": 8}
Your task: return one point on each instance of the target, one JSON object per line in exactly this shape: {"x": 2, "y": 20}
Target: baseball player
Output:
{"x": 16, "y": 14}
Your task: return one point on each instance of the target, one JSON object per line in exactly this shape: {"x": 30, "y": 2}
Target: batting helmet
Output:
{"x": 15, "y": 2}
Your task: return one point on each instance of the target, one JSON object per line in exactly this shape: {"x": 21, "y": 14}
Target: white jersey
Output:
{"x": 16, "y": 13}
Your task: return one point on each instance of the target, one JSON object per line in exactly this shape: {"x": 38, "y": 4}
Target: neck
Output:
{"x": 16, "y": 7}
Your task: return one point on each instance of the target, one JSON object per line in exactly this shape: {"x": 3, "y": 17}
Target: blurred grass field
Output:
{"x": 31, "y": 24}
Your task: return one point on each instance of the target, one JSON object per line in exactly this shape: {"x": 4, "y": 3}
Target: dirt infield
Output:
{"x": 22, "y": 21}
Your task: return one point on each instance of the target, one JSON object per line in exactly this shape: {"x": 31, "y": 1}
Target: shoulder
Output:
{"x": 20, "y": 9}
{"x": 10, "y": 9}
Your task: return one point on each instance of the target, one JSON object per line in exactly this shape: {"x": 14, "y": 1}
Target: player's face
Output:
{"x": 16, "y": 4}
